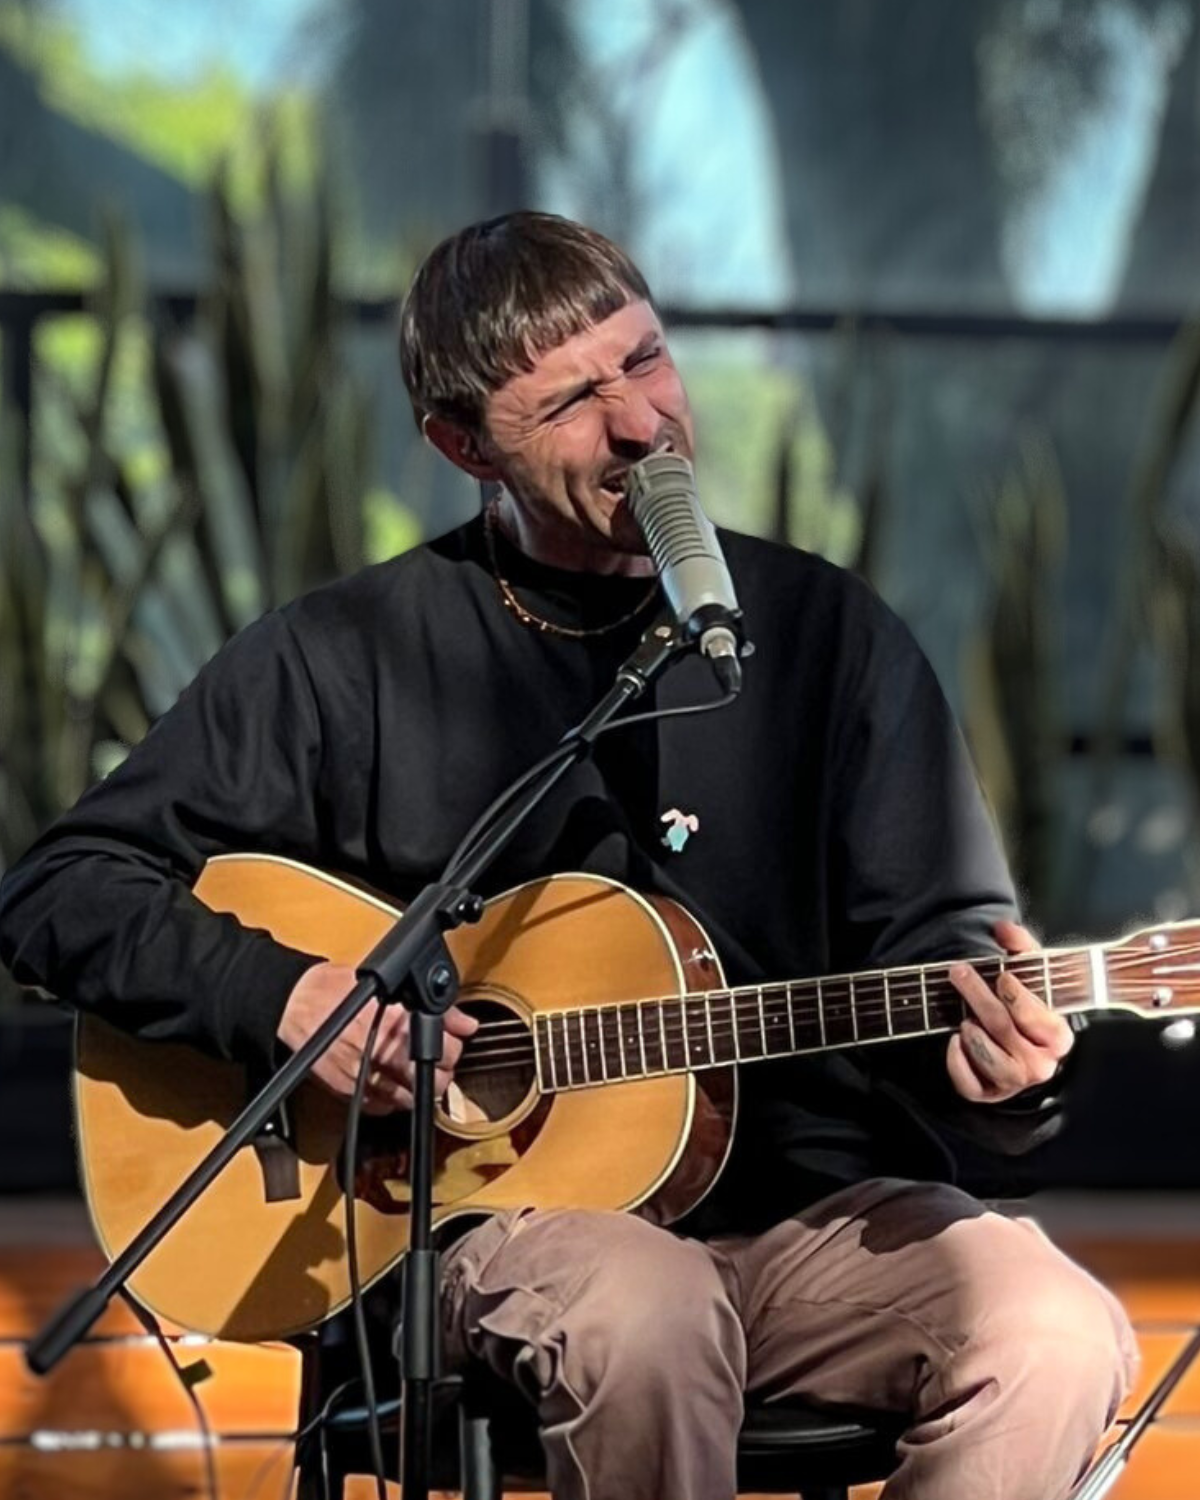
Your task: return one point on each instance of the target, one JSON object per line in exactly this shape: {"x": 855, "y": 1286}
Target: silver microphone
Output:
{"x": 661, "y": 495}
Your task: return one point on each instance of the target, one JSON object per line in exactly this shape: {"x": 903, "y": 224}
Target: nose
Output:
{"x": 634, "y": 424}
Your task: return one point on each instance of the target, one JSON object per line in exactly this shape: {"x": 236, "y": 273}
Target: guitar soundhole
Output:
{"x": 497, "y": 1070}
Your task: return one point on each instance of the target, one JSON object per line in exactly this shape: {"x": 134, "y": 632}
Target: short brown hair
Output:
{"x": 491, "y": 298}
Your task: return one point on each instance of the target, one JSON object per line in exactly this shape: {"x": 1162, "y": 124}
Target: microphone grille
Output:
{"x": 661, "y": 494}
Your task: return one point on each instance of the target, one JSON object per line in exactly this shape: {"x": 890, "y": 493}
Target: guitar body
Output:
{"x": 248, "y": 1263}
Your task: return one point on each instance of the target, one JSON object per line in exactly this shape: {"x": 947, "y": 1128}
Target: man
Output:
{"x": 837, "y": 826}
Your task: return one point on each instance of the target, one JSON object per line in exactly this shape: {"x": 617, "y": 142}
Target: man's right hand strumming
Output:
{"x": 389, "y": 1084}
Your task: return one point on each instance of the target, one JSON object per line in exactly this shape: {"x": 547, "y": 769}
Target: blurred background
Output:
{"x": 932, "y": 273}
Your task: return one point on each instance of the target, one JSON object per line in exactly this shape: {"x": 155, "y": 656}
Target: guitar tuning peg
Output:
{"x": 1178, "y": 1034}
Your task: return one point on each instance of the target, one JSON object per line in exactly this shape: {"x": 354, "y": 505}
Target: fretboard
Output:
{"x": 578, "y": 1048}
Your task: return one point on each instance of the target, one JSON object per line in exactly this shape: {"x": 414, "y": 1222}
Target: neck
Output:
{"x": 645, "y": 1038}
{"x": 569, "y": 549}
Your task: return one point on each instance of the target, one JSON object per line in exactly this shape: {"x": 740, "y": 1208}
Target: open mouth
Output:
{"x": 616, "y": 484}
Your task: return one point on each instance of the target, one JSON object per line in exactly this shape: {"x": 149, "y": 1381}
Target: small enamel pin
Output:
{"x": 680, "y": 828}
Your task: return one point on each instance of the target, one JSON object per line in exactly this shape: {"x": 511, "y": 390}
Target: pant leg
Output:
{"x": 623, "y": 1337}
{"x": 915, "y": 1297}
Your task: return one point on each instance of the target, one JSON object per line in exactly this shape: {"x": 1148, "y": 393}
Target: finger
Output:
{"x": 393, "y": 1064}
{"x": 998, "y": 1075}
{"x": 400, "y": 1083}
{"x": 387, "y": 1100}
{"x": 1035, "y": 1060}
{"x": 962, "y": 1075}
{"x": 451, "y": 1050}
{"x": 1035, "y": 1021}
{"x": 393, "y": 1030}
{"x": 1014, "y": 938}
{"x": 987, "y": 1008}
{"x": 460, "y": 1022}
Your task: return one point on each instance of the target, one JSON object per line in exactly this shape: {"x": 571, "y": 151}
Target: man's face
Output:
{"x": 564, "y": 434}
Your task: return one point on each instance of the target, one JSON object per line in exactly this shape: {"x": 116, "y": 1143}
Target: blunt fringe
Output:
{"x": 493, "y": 297}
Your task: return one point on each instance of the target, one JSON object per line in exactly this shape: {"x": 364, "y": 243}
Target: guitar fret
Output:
{"x": 725, "y": 1028}
{"x": 641, "y": 1031}
{"x": 778, "y": 1029}
{"x": 671, "y": 1054}
{"x": 544, "y": 1041}
{"x": 887, "y": 1005}
{"x": 924, "y": 998}
{"x": 566, "y": 1047}
{"x": 712, "y": 1046}
{"x": 1047, "y": 995}
{"x": 762, "y": 1021}
{"x": 853, "y": 1010}
{"x": 583, "y": 1046}
{"x": 790, "y": 998}
{"x": 821, "y": 1010}
{"x": 601, "y": 1047}
{"x": 618, "y": 1017}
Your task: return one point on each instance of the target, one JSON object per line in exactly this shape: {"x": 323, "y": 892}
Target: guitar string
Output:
{"x": 836, "y": 989}
{"x": 578, "y": 1055}
{"x": 586, "y": 1050}
{"x": 1069, "y": 964}
{"x": 777, "y": 992}
{"x": 773, "y": 1014}
{"x": 772, "y": 1005}
{"x": 695, "y": 1030}
{"x": 779, "y": 997}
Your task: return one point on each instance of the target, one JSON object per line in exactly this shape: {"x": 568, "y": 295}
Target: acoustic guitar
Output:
{"x": 600, "y": 1077}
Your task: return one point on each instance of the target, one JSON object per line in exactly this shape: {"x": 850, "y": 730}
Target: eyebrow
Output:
{"x": 568, "y": 393}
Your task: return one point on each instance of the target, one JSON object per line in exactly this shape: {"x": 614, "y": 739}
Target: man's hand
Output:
{"x": 320, "y": 990}
{"x": 1011, "y": 1040}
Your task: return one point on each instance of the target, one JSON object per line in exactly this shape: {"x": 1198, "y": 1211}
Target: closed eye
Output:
{"x": 646, "y": 357}
{"x": 576, "y": 398}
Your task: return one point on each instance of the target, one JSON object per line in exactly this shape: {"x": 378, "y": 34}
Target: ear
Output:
{"x": 460, "y": 446}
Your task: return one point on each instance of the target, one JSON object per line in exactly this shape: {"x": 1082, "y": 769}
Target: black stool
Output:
{"x": 486, "y": 1442}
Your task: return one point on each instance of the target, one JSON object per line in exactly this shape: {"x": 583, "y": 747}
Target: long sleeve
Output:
{"x": 99, "y": 911}
{"x": 918, "y": 874}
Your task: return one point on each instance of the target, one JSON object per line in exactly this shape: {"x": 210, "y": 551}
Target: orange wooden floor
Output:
{"x": 112, "y": 1420}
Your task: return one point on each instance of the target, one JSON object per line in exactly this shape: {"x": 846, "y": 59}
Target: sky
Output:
{"x": 179, "y": 39}
{"x": 1064, "y": 241}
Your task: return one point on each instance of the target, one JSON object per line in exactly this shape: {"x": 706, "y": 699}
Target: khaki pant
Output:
{"x": 636, "y": 1346}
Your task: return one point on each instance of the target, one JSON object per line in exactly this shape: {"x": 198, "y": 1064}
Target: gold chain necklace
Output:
{"x": 538, "y": 622}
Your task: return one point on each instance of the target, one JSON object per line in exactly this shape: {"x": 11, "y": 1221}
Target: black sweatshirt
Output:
{"x": 363, "y": 727}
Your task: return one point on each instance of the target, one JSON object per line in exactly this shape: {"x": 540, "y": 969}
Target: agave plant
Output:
{"x": 120, "y": 574}
{"x": 1011, "y": 671}
{"x": 812, "y": 505}
{"x": 68, "y": 602}
{"x": 1176, "y": 621}
{"x": 1174, "y": 413}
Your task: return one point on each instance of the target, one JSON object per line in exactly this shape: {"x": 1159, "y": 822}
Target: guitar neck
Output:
{"x": 578, "y": 1048}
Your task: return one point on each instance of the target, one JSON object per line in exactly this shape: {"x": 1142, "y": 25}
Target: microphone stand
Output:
{"x": 411, "y": 963}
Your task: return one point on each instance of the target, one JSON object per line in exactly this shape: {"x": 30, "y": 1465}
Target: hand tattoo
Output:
{"x": 979, "y": 1049}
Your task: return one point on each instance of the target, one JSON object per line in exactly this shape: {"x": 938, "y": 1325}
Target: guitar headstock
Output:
{"x": 1156, "y": 971}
